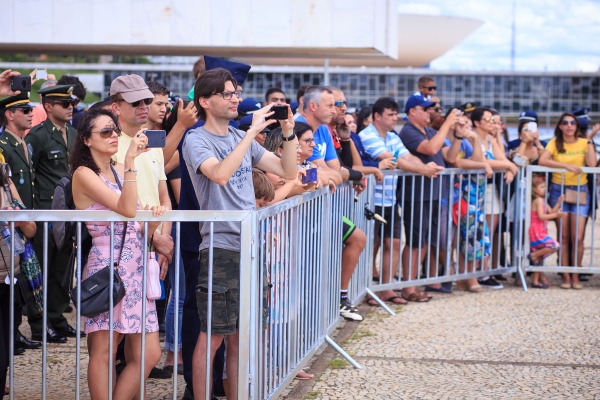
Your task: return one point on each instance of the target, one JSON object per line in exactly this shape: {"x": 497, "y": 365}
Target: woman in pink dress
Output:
{"x": 95, "y": 188}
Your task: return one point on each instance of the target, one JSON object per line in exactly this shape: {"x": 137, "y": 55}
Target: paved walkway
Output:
{"x": 499, "y": 344}
{"x": 505, "y": 344}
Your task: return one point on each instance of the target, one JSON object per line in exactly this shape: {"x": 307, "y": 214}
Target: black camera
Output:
{"x": 280, "y": 112}
{"x": 21, "y": 83}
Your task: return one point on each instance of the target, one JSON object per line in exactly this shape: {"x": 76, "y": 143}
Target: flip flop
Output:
{"x": 416, "y": 298}
{"x": 396, "y": 300}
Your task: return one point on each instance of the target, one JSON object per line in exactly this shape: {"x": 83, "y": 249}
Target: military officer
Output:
{"x": 51, "y": 142}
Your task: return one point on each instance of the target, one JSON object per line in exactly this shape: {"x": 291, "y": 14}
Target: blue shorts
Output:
{"x": 573, "y": 208}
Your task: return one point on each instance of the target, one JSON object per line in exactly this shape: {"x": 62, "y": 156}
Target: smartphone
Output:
{"x": 395, "y": 157}
{"x": 281, "y": 112}
{"x": 311, "y": 176}
{"x": 41, "y": 74}
{"x": 156, "y": 138}
{"x": 532, "y": 126}
{"x": 21, "y": 83}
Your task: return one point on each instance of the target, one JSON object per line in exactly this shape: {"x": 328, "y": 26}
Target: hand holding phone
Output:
{"x": 41, "y": 74}
{"x": 279, "y": 112}
{"x": 21, "y": 83}
{"x": 156, "y": 138}
{"x": 532, "y": 127}
{"x": 310, "y": 176}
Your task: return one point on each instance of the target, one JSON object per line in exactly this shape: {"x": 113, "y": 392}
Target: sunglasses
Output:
{"x": 136, "y": 104}
{"x": 340, "y": 103}
{"x": 108, "y": 131}
{"x": 430, "y": 88}
{"x": 564, "y": 122}
{"x": 23, "y": 110}
{"x": 66, "y": 103}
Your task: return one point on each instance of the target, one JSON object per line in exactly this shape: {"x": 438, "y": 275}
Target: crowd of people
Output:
{"x": 224, "y": 152}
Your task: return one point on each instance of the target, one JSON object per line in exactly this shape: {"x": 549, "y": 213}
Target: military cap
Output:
{"x": 467, "y": 107}
{"x": 58, "y": 92}
{"x": 248, "y": 106}
{"x": 19, "y": 101}
{"x": 238, "y": 70}
{"x": 582, "y": 112}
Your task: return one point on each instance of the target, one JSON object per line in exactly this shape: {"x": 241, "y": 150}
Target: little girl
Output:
{"x": 541, "y": 245}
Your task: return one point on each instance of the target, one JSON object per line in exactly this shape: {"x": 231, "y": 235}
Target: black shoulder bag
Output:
{"x": 95, "y": 290}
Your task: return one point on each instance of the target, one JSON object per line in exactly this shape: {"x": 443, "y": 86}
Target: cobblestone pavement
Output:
{"x": 499, "y": 344}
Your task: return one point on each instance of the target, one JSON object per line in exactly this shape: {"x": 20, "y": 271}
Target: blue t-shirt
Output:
{"x": 324, "y": 147}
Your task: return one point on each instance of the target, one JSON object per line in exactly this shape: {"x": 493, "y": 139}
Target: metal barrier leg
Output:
{"x": 342, "y": 352}
{"x": 380, "y": 302}
{"x": 522, "y": 277}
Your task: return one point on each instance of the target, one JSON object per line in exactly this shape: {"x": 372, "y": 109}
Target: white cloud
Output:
{"x": 560, "y": 35}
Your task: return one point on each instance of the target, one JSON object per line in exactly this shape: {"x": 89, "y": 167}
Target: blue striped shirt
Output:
{"x": 385, "y": 193}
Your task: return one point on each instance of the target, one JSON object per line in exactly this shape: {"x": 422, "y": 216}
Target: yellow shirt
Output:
{"x": 574, "y": 155}
{"x": 151, "y": 170}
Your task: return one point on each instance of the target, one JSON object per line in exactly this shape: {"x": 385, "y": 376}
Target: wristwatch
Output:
{"x": 289, "y": 138}
{"x": 459, "y": 137}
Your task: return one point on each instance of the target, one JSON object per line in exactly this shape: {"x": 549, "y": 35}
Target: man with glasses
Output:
{"x": 219, "y": 161}
{"x": 427, "y": 87}
{"x": 51, "y": 142}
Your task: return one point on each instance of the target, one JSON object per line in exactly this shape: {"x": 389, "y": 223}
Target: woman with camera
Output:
{"x": 97, "y": 185}
{"x": 569, "y": 151}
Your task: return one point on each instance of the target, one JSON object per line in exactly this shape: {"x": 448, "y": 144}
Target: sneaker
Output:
{"x": 348, "y": 311}
{"x": 499, "y": 277}
{"x": 490, "y": 283}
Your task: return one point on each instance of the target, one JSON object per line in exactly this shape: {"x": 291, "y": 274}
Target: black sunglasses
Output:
{"x": 66, "y": 103}
{"x": 24, "y": 110}
{"x": 136, "y": 104}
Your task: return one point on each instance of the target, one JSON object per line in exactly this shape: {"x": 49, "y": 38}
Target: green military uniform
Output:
{"x": 22, "y": 170}
{"x": 50, "y": 157}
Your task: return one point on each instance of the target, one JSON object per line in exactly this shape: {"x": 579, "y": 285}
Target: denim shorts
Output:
{"x": 573, "y": 208}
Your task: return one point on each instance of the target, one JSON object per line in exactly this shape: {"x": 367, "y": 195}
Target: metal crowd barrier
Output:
{"x": 436, "y": 257}
{"x": 299, "y": 257}
{"x": 570, "y": 243}
{"x": 290, "y": 258}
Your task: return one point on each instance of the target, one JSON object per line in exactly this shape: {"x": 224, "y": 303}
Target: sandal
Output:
{"x": 416, "y": 298}
{"x": 539, "y": 286}
{"x": 396, "y": 300}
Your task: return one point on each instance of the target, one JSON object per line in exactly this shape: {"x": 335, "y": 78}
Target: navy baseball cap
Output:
{"x": 528, "y": 115}
{"x": 248, "y": 106}
{"x": 238, "y": 70}
{"x": 415, "y": 101}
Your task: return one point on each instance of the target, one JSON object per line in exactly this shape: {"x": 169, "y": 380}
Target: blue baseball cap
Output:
{"x": 248, "y": 106}
{"x": 415, "y": 101}
{"x": 528, "y": 115}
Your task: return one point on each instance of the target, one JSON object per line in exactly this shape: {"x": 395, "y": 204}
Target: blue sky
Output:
{"x": 553, "y": 35}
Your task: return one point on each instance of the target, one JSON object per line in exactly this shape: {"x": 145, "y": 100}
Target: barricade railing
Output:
{"x": 300, "y": 257}
{"x": 246, "y": 221}
{"x": 577, "y": 236}
{"x": 448, "y": 237}
{"x": 295, "y": 246}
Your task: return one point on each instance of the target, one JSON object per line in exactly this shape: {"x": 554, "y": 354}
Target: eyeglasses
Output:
{"x": 489, "y": 119}
{"x": 136, "y": 104}
{"x": 564, "y": 122}
{"x": 430, "y": 88}
{"x": 108, "y": 131}
{"x": 229, "y": 95}
{"x": 308, "y": 141}
{"x": 66, "y": 103}
{"x": 340, "y": 103}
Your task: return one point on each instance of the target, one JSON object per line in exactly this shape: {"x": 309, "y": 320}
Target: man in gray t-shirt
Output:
{"x": 219, "y": 160}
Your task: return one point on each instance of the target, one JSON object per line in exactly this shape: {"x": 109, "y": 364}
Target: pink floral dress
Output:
{"x": 127, "y": 314}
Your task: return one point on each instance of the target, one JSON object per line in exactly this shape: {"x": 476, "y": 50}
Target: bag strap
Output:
{"x": 125, "y": 223}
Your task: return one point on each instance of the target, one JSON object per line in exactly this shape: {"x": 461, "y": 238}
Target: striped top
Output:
{"x": 385, "y": 193}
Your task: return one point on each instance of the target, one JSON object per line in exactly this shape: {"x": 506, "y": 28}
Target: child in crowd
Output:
{"x": 541, "y": 244}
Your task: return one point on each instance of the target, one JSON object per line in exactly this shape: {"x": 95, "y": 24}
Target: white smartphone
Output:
{"x": 41, "y": 74}
{"x": 532, "y": 126}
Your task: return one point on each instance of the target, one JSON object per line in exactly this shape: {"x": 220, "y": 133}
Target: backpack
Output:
{"x": 65, "y": 233}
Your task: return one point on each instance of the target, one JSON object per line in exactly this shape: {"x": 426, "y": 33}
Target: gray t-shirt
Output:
{"x": 237, "y": 194}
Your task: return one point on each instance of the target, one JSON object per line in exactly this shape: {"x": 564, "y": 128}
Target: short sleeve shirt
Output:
{"x": 575, "y": 155}
{"x": 375, "y": 145}
{"x": 238, "y": 194}
{"x": 428, "y": 188}
{"x": 324, "y": 147}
